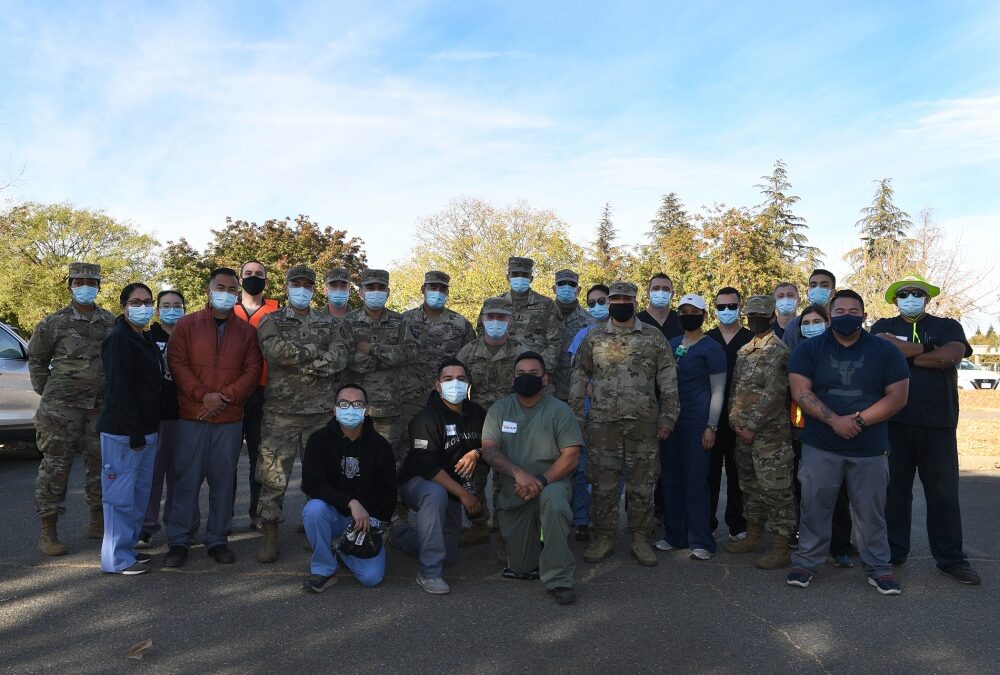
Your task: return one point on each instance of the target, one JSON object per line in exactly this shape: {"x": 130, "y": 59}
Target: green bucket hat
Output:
{"x": 913, "y": 281}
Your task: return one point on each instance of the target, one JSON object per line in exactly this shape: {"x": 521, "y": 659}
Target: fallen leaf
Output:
{"x": 135, "y": 652}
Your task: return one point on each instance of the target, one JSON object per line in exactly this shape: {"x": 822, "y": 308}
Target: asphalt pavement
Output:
{"x": 721, "y": 616}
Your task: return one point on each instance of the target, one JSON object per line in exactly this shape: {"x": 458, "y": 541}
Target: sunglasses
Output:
{"x": 731, "y": 305}
{"x": 599, "y": 301}
{"x": 907, "y": 292}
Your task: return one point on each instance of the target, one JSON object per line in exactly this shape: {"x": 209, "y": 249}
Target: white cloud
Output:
{"x": 478, "y": 55}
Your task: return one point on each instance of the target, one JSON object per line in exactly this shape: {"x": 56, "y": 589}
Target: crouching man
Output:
{"x": 349, "y": 474}
{"x": 533, "y": 441}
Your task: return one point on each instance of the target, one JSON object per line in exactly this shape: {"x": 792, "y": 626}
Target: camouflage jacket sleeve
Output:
{"x": 41, "y": 346}
{"x": 405, "y": 350}
{"x": 335, "y": 357}
{"x": 553, "y": 340}
{"x": 666, "y": 380}
{"x": 278, "y": 351}
{"x": 469, "y": 335}
{"x": 735, "y": 405}
{"x": 773, "y": 397}
{"x": 583, "y": 368}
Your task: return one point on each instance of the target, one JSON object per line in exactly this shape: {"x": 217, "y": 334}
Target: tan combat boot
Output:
{"x": 600, "y": 549}
{"x": 752, "y": 542}
{"x": 477, "y": 534}
{"x": 95, "y": 530}
{"x": 268, "y": 552}
{"x": 779, "y": 556}
{"x": 642, "y": 552}
{"x": 48, "y": 540}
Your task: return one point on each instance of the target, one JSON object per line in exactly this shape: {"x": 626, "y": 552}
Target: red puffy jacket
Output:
{"x": 200, "y": 364}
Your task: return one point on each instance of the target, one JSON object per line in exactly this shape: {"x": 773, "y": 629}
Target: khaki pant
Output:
{"x": 60, "y": 432}
{"x": 628, "y": 447}
{"x": 283, "y": 437}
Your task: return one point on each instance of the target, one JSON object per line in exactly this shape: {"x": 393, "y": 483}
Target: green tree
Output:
{"x": 674, "y": 247}
{"x": 787, "y": 227}
{"x": 606, "y": 261}
{"x": 186, "y": 270}
{"x": 883, "y": 224}
{"x": 37, "y": 243}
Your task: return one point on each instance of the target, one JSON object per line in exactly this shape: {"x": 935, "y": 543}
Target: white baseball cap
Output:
{"x": 694, "y": 300}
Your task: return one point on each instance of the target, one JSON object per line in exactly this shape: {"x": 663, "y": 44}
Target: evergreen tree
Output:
{"x": 788, "y": 228}
{"x": 883, "y": 224}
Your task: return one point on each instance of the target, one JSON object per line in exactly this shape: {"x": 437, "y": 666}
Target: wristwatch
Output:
{"x": 860, "y": 421}
{"x": 714, "y": 428}
{"x": 542, "y": 479}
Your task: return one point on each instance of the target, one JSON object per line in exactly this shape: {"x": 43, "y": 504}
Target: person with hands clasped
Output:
{"x": 435, "y": 480}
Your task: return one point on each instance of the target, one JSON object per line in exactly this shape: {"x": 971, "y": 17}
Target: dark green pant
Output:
{"x": 549, "y": 515}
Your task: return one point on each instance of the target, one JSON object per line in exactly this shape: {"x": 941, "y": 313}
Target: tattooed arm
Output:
{"x": 843, "y": 425}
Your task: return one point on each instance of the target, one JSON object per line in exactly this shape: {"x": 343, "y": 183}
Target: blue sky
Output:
{"x": 175, "y": 116}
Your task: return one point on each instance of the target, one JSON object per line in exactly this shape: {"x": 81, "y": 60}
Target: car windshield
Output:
{"x": 968, "y": 365}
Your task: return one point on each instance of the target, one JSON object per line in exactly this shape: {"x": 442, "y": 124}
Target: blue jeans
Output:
{"x": 684, "y": 481}
{"x": 126, "y": 479}
{"x": 322, "y": 522}
{"x": 435, "y": 525}
{"x": 581, "y": 492}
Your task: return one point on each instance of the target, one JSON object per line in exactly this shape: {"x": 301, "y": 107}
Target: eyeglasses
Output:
{"x": 571, "y": 284}
{"x": 731, "y": 305}
{"x": 907, "y": 292}
{"x": 357, "y": 405}
{"x": 139, "y": 303}
{"x": 599, "y": 301}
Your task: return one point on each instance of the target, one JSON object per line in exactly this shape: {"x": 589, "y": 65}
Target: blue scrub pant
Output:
{"x": 684, "y": 481}
{"x": 322, "y": 523}
{"x": 581, "y": 492}
{"x": 126, "y": 479}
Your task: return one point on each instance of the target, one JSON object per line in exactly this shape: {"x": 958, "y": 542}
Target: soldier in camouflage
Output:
{"x": 338, "y": 290}
{"x": 441, "y": 333}
{"x": 758, "y": 415}
{"x": 384, "y": 345}
{"x": 574, "y": 317}
{"x": 64, "y": 361}
{"x": 537, "y": 324}
{"x": 624, "y": 359}
{"x": 490, "y": 364}
{"x": 304, "y": 349}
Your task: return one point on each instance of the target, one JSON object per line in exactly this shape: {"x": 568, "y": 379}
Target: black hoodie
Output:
{"x": 133, "y": 369}
{"x": 337, "y": 470}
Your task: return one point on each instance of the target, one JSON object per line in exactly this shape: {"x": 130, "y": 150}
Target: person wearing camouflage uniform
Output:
{"x": 441, "y": 333}
{"x": 64, "y": 361}
{"x": 537, "y": 323}
{"x": 625, "y": 360}
{"x": 574, "y": 317}
{"x": 384, "y": 344}
{"x": 758, "y": 415}
{"x": 304, "y": 348}
{"x": 489, "y": 361}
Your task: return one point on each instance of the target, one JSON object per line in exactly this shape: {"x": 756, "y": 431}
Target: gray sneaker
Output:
{"x": 433, "y": 586}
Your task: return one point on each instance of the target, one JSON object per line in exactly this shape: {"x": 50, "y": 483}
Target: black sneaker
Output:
{"x": 563, "y": 596}
{"x": 886, "y": 584}
{"x": 134, "y": 569}
{"x": 176, "y": 557}
{"x": 143, "y": 557}
{"x": 508, "y": 573}
{"x": 317, "y": 583}
{"x": 799, "y": 577}
{"x": 222, "y": 554}
{"x": 583, "y": 533}
{"x": 961, "y": 574}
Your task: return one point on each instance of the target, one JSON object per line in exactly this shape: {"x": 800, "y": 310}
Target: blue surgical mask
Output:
{"x": 660, "y": 299}
{"x": 140, "y": 316}
{"x": 495, "y": 329}
{"x": 376, "y": 299}
{"x": 454, "y": 391}
{"x": 728, "y": 316}
{"x": 84, "y": 295}
{"x": 171, "y": 315}
{"x": 565, "y": 294}
{"x": 351, "y": 417}
{"x": 299, "y": 298}
{"x": 223, "y": 301}
{"x": 786, "y": 306}
{"x": 812, "y": 330}
{"x": 435, "y": 299}
{"x": 818, "y": 295}
{"x": 520, "y": 284}
{"x": 911, "y": 307}
{"x": 599, "y": 312}
{"x": 337, "y": 298}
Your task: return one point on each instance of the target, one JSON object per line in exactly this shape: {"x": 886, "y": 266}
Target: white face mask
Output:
{"x": 454, "y": 391}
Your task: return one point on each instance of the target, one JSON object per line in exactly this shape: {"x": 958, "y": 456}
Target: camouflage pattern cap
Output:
{"x": 82, "y": 270}
{"x": 338, "y": 274}
{"x": 437, "y": 277}
{"x": 516, "y": 264}
{"x": 300, "y": 272}
{"x": 498, "y": 305}
{"x": 759, "y": 305}
{"x": 623, "y": 288}
{"x": 374, "y": 277}
{"x": 567, "y": 275}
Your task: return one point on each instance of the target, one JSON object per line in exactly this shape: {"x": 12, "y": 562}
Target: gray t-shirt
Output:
{"x": 530, "y": 437}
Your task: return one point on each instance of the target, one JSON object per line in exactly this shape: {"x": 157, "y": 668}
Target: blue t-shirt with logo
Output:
{"x": 705, "y": 357}
{"x": 848, "y": 380}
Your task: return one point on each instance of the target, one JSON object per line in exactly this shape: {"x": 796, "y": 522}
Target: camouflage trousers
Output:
{"x": 59, "y": 432}
{"x": 628, "y": 446}
{"x": 766, "y": 469}
{"x": 391, "y": 429}
{"x": 284, "y": 435}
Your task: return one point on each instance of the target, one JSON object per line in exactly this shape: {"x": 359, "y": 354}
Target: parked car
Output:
{"x": 971, "y": 376}
{"x": 18, "y": 401}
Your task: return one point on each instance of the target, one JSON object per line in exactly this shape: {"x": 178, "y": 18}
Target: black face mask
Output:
{"x": 528, "y": 385}
{"x": 691, "y": 321}
{"x": 254, "y": 285}
{"x": 621, "y": 311}
{"x": 759, "y": 324}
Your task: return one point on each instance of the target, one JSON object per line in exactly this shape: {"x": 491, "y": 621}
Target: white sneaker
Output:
{"x": 738, "y": 537}
{"x": 700, "y": 554}
{"x": 662, "y": 545}
{"x": 433, "y": 586}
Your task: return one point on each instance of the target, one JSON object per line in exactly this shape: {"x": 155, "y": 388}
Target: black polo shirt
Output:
{"x": 933, "y": 399}
{"x": 670, "y": 328}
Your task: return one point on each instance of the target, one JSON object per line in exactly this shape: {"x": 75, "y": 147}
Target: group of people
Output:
{"x": 571, "y": 401}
